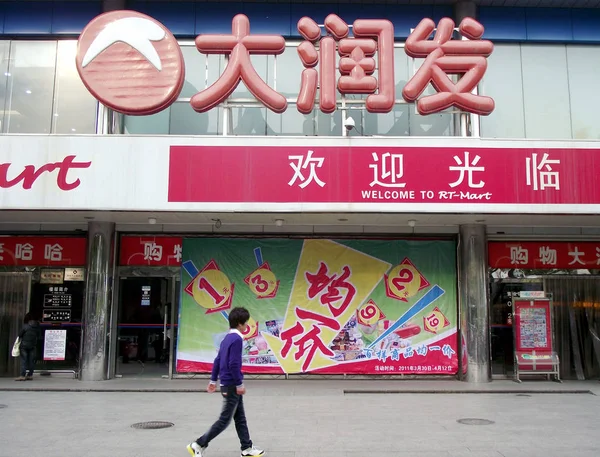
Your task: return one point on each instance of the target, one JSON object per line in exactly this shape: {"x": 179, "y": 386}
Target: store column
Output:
{"x": 474, "y": 306}
{"x": 465, "y": 123}
{"x": 463, "y": 9}
{"x": 109, "y": 121}
{"x": 96, "y": 306}
{"x": 113, "y": 5}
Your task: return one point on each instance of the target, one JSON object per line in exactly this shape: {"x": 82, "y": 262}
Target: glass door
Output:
{"x": 14, "y": 303}
{"x": 145, "y": 334}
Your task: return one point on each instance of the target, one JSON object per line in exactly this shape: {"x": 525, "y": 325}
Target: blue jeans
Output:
{"x": 233, "y": 408}
{"x": 27, "y": 361}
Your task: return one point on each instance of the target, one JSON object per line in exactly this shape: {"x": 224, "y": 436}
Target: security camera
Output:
{"x": 349, "y": 123}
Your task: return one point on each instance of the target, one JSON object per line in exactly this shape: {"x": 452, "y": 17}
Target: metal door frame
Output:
{"x": 13, "y": 363}
{"x": 528, "y": 280}
{"x": 171, "y": 274}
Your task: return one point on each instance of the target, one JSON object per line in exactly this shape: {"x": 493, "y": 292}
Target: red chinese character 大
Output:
{"x": 357, "y": 64}
{"x": 309, "y": 342}
{"x": 443, "y": 57}
{"x": 320, "y": 280}
{"x": 239, "y": 45}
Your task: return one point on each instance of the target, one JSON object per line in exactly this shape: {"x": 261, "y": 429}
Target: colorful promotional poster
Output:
{"x": 321, "y": 306}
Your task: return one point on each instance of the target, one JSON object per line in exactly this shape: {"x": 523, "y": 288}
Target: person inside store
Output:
{"x": 30, "y": 334}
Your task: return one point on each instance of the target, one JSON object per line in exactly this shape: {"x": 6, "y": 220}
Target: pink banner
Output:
{"x": 384, "y": 175}
{"x": 564, "y": 255}
{"x": 435, "y": 358}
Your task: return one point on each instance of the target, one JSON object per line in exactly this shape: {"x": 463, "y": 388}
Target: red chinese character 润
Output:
{"x": 310, "y": 341}
{"x": 356, "y": 64}
{"x": 320, "y": 280}
{"x": 443, "y": 57}
{"x": 239, "y": 45}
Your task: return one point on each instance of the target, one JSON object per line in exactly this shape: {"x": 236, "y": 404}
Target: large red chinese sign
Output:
{"x": 356, "y": 64}
{"x": 443, "y": 57}
{"x": 544, "y": 255}
{"x": 386, "y": 175}
{"x": 150, "y": 251}
{"x": 42, "y": 251}
{"x": 139, "y": 48}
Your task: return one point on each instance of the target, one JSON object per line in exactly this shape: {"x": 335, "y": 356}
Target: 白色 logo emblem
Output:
{"x": 130, "y": 62}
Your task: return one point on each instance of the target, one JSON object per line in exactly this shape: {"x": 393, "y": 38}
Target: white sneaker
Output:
{"x": 195, "y": 450}
{"x": 252, "y": 451}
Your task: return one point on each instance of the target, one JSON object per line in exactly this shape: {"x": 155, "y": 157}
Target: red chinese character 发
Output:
{"x": 311, "y": 340}
{"x": 443, "y": 57}
{"x": 239, "y": 45}
{"x": 319, "y": 280}
{"x": 356, "y": 64}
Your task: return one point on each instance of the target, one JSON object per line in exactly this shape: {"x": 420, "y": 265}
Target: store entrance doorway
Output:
{"x": 14, "y": 303}
{"x": 502, "y": 294}
{"x": 146, "y": 328}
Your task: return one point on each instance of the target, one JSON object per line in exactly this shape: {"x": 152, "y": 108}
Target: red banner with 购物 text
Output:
{"x": 544, "y": 255}
{"x": 150, "y": 250}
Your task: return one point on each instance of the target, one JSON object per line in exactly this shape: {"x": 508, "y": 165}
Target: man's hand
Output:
{"x": 212, "y": 387}
{"x": 241, "y": 390}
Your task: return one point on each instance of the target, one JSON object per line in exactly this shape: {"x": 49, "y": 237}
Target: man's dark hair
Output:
{"x": 238, "y": 316}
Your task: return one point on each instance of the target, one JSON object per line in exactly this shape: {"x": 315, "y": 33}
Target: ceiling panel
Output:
{"x": 528, "y": 3}
{"x": 191, "y": 220}
{"x": 524, "y": 3}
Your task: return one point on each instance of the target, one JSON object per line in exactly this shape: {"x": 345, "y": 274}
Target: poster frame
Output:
{"x": 202, "y": 368}
{"x": 63, "y": 339}
{"x": 549, "y": 368}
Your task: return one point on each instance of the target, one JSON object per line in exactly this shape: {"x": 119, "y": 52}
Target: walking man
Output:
{"x": 228, "y": 367}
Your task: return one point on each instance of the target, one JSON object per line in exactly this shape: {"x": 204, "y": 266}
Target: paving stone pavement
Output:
{"x": 306, "y": 421}
{"x": 296, "y": 386}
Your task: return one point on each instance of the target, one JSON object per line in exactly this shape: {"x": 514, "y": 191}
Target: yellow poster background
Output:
{"x": 366, "y": 273}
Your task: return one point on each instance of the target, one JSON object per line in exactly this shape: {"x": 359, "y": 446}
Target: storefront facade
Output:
{"x": 562, "y": 271}
{"x": 44, "y": 275}
{"x": 364, "y": 228}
